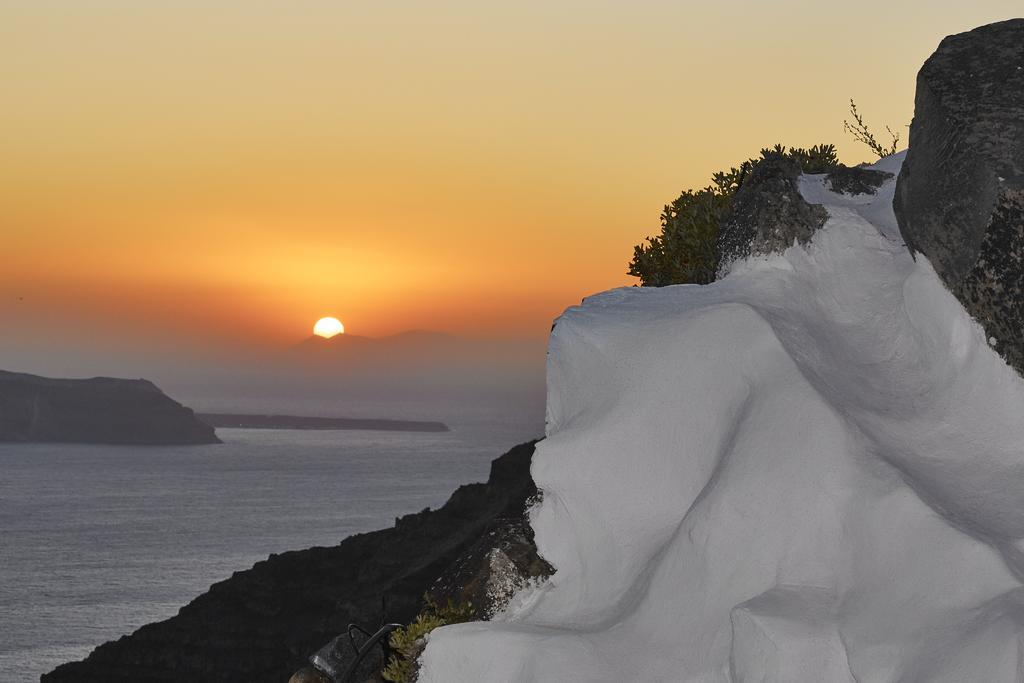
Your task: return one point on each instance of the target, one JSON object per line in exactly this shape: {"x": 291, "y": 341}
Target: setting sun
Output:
{"x": 328, "y": 327}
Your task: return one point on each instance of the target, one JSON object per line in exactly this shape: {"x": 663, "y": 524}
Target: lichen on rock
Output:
{"x": 958, "y": 197}
{"x": 854, "y": 180}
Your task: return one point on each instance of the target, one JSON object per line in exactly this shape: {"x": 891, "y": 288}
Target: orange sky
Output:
{"x": 220, "y": 172}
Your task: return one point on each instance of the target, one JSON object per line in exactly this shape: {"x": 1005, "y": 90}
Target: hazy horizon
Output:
{"x": 211, "y": 179}
{"x": 402, "y": 375}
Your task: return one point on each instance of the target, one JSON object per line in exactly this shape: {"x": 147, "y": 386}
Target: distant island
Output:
{"x": 99, "y": 410}
{"x": 230, "y": 420}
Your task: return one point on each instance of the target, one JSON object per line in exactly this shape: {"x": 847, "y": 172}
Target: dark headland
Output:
{"x": 230, "y": 420}
{"x": 98, "y": 410}
{"x": 260, "y": 625}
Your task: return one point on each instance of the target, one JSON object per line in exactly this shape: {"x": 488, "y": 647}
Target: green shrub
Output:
{"x": 686, "y": 250}
{"x": 817, "y": 159}
{"x": 408, "y": 641}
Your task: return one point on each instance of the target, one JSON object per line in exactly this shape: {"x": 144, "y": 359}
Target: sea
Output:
{"x": 96, "y": 541}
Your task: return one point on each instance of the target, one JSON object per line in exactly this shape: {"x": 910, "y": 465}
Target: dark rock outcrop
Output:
{"x": 502, "y": 561}
{"x": 262, "y": 624}
{"x": 768, "y": 213}
{"x": 960, "y": 194}
{"x": 854, "y": 180}
{"x": 98, "y": 410}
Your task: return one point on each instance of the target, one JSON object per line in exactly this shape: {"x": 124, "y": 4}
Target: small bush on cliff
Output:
{"x": 817, "y": 159}
{"x": 860, "y": 132}
{"x": 408, "y": 641}
{"x": 685, "y": 251}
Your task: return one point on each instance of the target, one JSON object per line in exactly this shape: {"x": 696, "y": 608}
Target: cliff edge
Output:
{"x": 98, "y": 410}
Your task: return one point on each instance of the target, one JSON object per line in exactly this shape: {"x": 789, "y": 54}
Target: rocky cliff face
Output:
{"x": 501, "y": 562}
{"x": 768, "y": 213}
{"x": 262, "y": 623}
{"x": 960, "y": 194}
{"x": 98, "y": 410}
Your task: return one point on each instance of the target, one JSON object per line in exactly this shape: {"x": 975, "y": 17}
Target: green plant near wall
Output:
{"x": 686, "y": 249}
{"x": 408, "y": 642}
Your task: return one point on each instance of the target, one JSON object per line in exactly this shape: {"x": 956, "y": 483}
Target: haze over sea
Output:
{"x": 99, "y": 540}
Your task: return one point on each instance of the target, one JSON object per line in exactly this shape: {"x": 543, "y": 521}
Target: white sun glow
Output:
{"x": 328, "y": 327}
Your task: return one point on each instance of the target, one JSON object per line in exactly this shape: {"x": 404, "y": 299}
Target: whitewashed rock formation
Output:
{"x": 810, "y": 470}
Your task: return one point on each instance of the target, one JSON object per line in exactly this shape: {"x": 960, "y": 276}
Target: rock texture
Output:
{"x": 262, "y": 624}
{"x": 98, "y": 410}
{"x": 502, "y": 561}
{"x": 854, "y": 180}
{"x": 960, "y": 194}
{"x": 768, "y": 214}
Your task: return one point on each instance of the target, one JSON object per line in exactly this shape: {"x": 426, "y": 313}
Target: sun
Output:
{"x": 328, "y": 327}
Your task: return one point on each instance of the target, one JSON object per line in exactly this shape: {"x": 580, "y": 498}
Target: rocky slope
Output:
{"x": 262, "y": 624}
{"x": 98, "y": 410}
{"x": 768, "y": 213}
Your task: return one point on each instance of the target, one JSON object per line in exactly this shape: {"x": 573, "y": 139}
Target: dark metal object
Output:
{"x": 328, "y": 660}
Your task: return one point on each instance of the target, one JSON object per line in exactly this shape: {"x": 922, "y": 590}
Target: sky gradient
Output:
{"x": 215, "y": 174}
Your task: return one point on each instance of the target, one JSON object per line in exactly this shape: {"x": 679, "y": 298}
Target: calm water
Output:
{"x": 99, "y": 540}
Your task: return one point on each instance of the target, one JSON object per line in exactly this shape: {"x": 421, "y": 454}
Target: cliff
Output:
{"x": 97, "y": 410}
{"x": 810, "y": 469}
{"x": 262, "y": 624}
